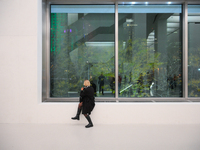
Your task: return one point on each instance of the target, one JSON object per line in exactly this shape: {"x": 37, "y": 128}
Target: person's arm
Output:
{"x": 83, "y": 92}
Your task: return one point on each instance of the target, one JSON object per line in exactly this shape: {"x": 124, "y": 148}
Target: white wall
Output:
{"x": 20, "y": 84}
{"x": 18, "y": 59}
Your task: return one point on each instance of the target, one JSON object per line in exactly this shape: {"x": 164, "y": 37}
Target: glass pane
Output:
{"x": 193, "y": 50}
{"x": 150, "y": 51}
{"x": 82, "y": 47}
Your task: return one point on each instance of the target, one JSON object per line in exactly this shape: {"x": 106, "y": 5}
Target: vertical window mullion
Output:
{"x": 116, "y": 50}
{"x": 48, "y": 51}
{"x": 185, "y": 50}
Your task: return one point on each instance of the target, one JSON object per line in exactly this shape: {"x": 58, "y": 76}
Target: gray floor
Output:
{"x": 100, "y": 137}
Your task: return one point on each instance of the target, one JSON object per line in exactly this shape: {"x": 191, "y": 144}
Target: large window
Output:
{"x": 194, "y": 50}
{"x": 130, "y": 51}
{"x": 82, "y": 47}
{"x": 150, "y": 51}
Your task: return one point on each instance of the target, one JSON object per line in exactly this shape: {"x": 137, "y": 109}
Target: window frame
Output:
{"x": 46, "y": 56}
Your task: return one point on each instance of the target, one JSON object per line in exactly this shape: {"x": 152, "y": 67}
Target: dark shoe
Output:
{"x": 75, "y": 118}
{"x": 77, "y": 115}
{"x": 89, "y": 125}
{"x": 90, "y": 122}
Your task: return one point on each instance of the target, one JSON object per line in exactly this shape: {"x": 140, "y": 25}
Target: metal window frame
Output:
{"x": 192, "y": 99}
{"x": 46, "y": 56}
{"x": 185, "y": 51}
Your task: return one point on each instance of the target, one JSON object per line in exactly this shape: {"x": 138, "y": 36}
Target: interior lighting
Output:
{"x": 133, "y": 3}
{"x": 146, "y": 3}
{"x": 169, "y": 3}
{"x": 100, "y": 44}
{"x": 199, "y": 69}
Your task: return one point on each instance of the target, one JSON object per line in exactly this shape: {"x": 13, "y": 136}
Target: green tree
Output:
{"x": 193, "y": 68}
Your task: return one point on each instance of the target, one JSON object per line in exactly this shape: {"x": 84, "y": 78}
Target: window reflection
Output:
{"x": 193, "y": 50}
{"x": 150, "y": 52}
{"x": 82, "y": 47}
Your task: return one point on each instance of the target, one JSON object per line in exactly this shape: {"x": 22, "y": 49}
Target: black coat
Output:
{"x": 87, "y": 97}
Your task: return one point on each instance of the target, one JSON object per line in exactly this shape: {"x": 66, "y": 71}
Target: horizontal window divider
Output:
{"x": 155, "y": 2}
{"x": 76, "y": 99}
{"x": 99, "y": 99}
{"x": 155, "y": 99}
{"x": 194, "y": 99}
{"x": 60, "y": 2}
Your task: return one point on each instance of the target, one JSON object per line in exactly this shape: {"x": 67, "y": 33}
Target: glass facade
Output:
{"x": 127, "y": 50}
{"x": 150, "y": 51}
{"x": 82, "y": 47}
{"x": 194, "y": 50}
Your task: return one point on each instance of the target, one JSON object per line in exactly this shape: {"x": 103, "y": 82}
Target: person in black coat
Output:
{"x": 86, "y": 103}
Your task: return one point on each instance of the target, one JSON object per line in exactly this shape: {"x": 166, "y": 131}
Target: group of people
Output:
{"x": 101, "y": 81}
{"x": 88, "y": 93}
{"x": 140, "y": 83}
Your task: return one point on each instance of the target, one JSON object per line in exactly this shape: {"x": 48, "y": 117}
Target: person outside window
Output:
{"x": 86, "y": 103}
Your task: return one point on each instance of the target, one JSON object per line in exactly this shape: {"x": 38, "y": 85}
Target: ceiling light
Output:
{"x": 100, "y": 44}
{"x": 169, "y": 3}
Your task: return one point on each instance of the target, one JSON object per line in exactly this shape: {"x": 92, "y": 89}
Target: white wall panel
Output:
{"x": 18, "y": 17}
{"x": 18, "y": 76}
{"x": 123, "y": 113}
{"x": 18, "y": 59}
{"x": 20, "y": 80}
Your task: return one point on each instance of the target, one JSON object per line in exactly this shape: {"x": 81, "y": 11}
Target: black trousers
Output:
{"x": 101, "y": 87}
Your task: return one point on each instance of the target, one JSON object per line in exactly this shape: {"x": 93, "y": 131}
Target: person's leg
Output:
{"x": 99, "y": 88}
{"x": 89, "y": 120}
{"x": 78, "y": 112}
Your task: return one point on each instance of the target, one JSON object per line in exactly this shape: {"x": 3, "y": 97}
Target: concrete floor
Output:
{"x": 100, "y": 137}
